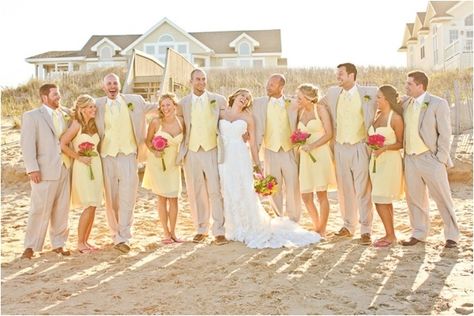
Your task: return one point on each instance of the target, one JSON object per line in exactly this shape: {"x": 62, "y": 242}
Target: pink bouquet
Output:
{"x": 159, "y": 144}
{"x": 264, "y": 186}
{"x": 86, "y": 149}
{"x": 299, "y": 138}
{"x": 375, "y": 142}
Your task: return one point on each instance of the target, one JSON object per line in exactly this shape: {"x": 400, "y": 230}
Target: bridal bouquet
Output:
{"x": 375, "y": 142}
{"x": 264, "y": 186}
{"x": 159, "y": 144}
{"x": 86, "y": 149}
{"x": 299, "y": 138}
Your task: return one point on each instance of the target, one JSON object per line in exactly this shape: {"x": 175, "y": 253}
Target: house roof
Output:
{"x": 120, "y": 40}
{"x": 58, "y": 54}
{"x": 270, "y": 40}
{"x": 442, "y": 7}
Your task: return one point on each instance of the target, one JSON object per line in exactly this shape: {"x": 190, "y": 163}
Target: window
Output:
{"x": 106, "y": 52}
{"x": 166, "y": 38}
{"x": 422, "y": 47}
{"x": 150, "y": 49}
{"x": 244, "y": 49}
{"x": 468, "y": 20}
{"x": 435, "y": 29}
{"x": 182, "y": 48}
{"x": 435, "y": 49}
{"x": 468, "y": 43}
{"x": 258, "y": 63}
{"x": 453, "y": 36}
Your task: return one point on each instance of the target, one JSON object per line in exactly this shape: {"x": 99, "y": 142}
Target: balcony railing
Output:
{"x": 457, "y": 47}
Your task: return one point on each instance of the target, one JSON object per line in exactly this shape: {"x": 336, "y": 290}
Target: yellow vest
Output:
{"x": 277, "y": 129}
{"x": 350, "y": 119}
{"x": 65, "y": 158}
{"x": 118, "y": 135}
{"x": 203, "y": 133}
{"x": 413, "y": 142}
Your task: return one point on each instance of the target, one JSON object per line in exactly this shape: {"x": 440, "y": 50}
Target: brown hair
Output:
{"x": 309, "y": 91}
{"x": 83, "y": 101}
{"x": 350, "y": 69}
{"x": 420, "y": 78}
{"x": 391, "y": 95}
{"x": 44, "y": 89}
{"x": 163, "y": 97}
{"x": 234, "y": 95}
{"x": 197, "y": 70}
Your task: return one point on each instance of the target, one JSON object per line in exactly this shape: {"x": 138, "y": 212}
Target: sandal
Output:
{"x": 167, "y": 241}
{"x": 382, "y": 243}
{"x": 86, "y": 250}
{"x": 176, "y": 239}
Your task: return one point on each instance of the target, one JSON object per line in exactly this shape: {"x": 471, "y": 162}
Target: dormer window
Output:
{"x": 106, "y": 52}
{"x": 244, "y": 49}
{"x": 468, "y": 20}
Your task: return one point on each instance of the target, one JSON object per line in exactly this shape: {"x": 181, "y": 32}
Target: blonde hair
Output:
{"x": 234, "y": 95}
{"x": 83, "y": 101}
{"x": 309, "y": 91}
{"x": 163, "y": 97}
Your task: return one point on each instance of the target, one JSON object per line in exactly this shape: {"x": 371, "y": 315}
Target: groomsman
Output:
{"x": 275, "y": 119}
{"x": 48, "y": 171}
{"x": 427, "y": 146}
{"x": 120, "y": 120}
{"x": 200, "y": 111}
{"x": 352, "y": 108}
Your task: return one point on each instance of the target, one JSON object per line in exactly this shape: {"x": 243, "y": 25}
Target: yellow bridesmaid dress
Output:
{"x": 164, "y": 183}
{"x": 86, "y": 192}
{"x": 319, "y": 175}
{"x": 387, "y": 181}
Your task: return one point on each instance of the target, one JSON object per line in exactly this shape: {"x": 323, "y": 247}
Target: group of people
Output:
{"x": 217, "y": 142}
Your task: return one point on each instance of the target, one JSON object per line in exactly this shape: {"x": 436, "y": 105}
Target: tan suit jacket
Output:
{"x": 184, "y": 110}
{"x": 137, "y": 116}
{"x": 259, "y": 110}
{"x": 368, "y": 107}
{"x": 434, "y": 126}
{"x": 40, "y": 144}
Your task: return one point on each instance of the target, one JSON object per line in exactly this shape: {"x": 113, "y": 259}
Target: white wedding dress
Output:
{"x": 245, "y": 218}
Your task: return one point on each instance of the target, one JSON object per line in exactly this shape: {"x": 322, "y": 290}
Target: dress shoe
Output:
{"x": 220, "y": 240}
{"x": 199, "y": 238}
{"x": 410, "y": 242}
{"x": 122, "y": 247}
{"x": 27, "y": 254}
{"x": 450, "y": 244}
{"x": 343, "y": 232}
{"x": 365, "y": 239}
{"x": 62, "y": 251}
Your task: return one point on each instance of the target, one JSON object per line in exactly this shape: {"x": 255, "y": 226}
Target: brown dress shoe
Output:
{"x": 343, "y": 232}
{"x": 27, "y": 254}
{"x": 450, "y": 244}
{"x": 365, "y": 239}
{"x": 122, "y": 247}
{"x": 410, "y": 242}
{"x": 199, "y": 238}
{"x": 220, "y": 240}
{"x": 62, "y": 251}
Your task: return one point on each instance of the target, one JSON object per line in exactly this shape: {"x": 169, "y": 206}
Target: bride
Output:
{"x": 245, "y": 218}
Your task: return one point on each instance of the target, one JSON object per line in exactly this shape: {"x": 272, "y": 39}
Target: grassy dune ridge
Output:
{"x": 17, "y": 100}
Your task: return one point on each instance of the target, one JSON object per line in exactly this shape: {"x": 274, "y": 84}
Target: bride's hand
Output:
{"x": 306, "y": 148}
{"x": 246, "y": 137}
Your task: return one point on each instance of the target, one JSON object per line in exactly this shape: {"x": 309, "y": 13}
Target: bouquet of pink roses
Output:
{"x": 375, "y": 142}
{"x": 159, "y": 144}
{"x": 86, "y": 149}
{"x": 264, "y": 186}
{"x": 299, "y": 138}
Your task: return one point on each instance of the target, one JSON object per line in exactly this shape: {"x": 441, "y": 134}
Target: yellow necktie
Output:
{"x": 56, "y": 123}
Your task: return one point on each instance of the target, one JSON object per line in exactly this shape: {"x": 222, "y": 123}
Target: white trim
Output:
{"x": 125, "y": 58}
{"x": 253, "y": 55}
{"x": 55, "y": 59}
{"x": 105, "y": 40}
{"x": 253, "y": 41}
{"x": 164, "y": 20}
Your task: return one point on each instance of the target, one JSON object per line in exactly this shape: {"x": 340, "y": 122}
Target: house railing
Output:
{"x": 457, "y": 47}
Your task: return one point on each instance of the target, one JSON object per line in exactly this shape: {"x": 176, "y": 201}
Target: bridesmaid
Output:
{"x": 315, "y": 176}
{"x": 387, "y": 181}
{"x": 86, "y": 193}
{"x": 166, "y": 184}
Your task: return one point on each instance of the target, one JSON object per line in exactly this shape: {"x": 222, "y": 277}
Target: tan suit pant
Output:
{"x": 353, "y": 186}
{"x": 121, "y": 184}
{"x": 204, "y": 192}
{"x": 282, "y": 165}
{"x": 49, "y": 205}
{"x": 422, "y": 173}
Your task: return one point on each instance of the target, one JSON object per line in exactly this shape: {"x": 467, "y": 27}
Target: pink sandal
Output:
{"x": 382, "y": 243}
{"x": 177, "y": 240}
{"x": 167, "y": 241}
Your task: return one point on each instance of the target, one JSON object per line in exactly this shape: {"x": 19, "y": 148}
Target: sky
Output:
{"x": 314, "y": 33}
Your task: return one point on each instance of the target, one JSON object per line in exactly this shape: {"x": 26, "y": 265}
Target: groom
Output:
{"x": 275, "y": 119}
{"x": 200, "y": 111}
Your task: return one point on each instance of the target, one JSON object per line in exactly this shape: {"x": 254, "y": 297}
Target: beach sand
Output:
{"x": 338, "y": 276}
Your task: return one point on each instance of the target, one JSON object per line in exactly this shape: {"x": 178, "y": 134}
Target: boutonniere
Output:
{"x": 425, "y": 105}
{"x": 367, "y": 98}
{"x": 287, "y": 103}
{"x": 130, "y": 106}
{"x": 67, "y": 117}
{"x": 213, "y": 103}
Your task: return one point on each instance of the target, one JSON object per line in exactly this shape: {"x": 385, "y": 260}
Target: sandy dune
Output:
{"x": 335, "y": 277}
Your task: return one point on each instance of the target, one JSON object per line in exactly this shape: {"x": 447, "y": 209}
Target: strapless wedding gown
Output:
{"x": 245, "y": 218}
